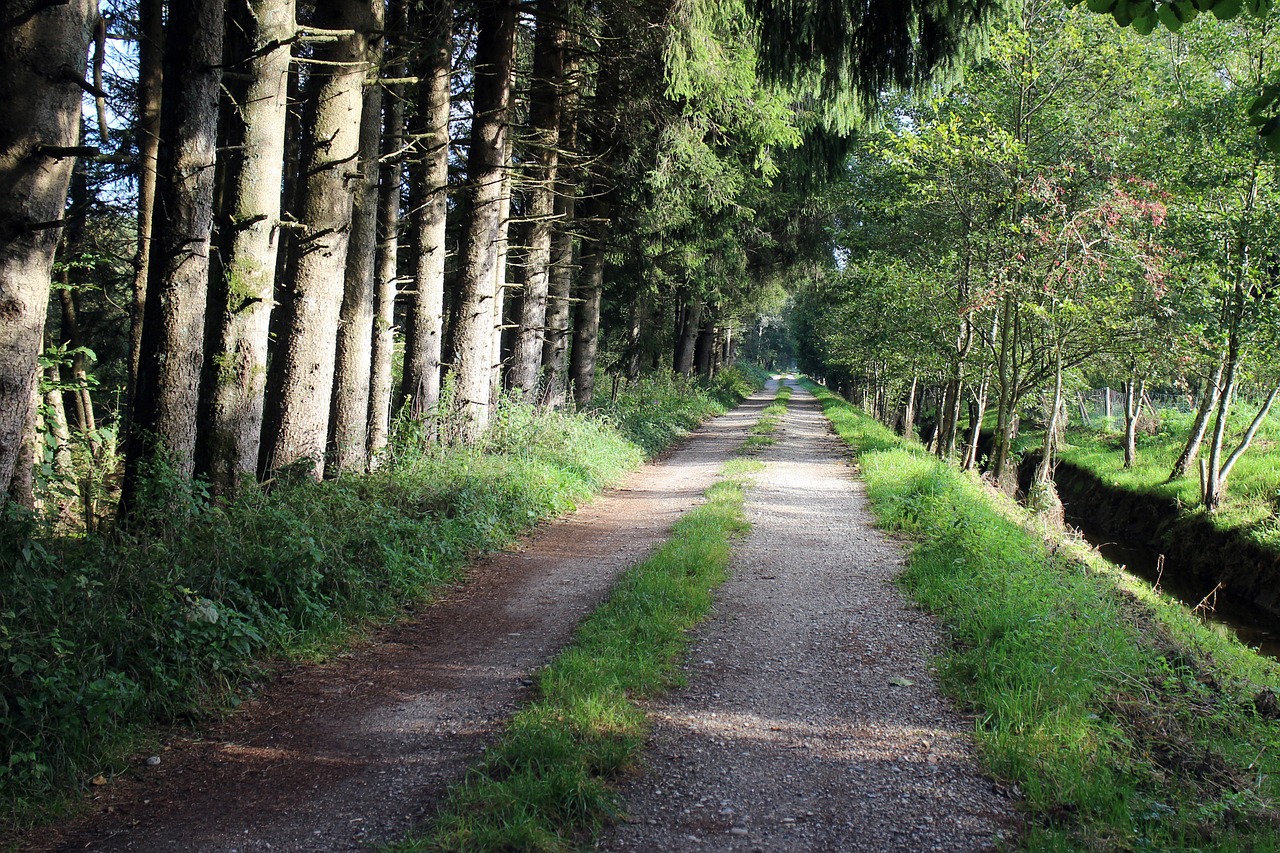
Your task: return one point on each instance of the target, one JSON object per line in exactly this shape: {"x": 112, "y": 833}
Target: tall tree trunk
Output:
{"x": 173, "y": 326}
{"x": 1007, "y": 402}
{"x": 482, "y": 222}
{"x": 586, "y": 326}
{"x": 349, "y": 421}
{"x": 500, "y": 278}
{"x": 977, "y": 410}
{"x": 1191, "y": 449}
{"x": 704, "y": 343}
{"x": 545, "y": 110}
{"x": 641, "y": 309}
{"x": 388, "y": 271}
{"x": 297, "y": 418}
{"x": 430, "y": 180}
{"x": 555, "y": 352}
{"x": 263, "y": 31}
{"x": 150, "y": 77}
{"x": 687, "y": 334}
{"x": 38, "y": 138}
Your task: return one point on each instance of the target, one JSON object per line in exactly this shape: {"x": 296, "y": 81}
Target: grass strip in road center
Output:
{"x": 761, "y": 434}
{"x": 545, "y": 786}
{"x": 1126, "y": 724}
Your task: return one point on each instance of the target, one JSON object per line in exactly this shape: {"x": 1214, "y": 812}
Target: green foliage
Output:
{"x": 1125, "y": 723}
{"x": 161, "y": 622}
{"x": 546, "y": 785}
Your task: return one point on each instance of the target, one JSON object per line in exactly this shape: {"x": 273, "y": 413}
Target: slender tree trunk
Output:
{"x": 388, "y": 270}
{"x": 239, "y": 366}
{"x": 500, "y": 277}
{"x": 78, "y": 372}
{"x": 641, "y": 311}
{"x": 173, "y": 327}
{"x": 297, "y": 417}
{"x": 586, "y": 326}
{"x": 424, "y": 336}
{"x": 1007, "y": 399}
{"x": 40, "y": 131}
{"x": 688, "y": 335}
{"x": 1195, "y": 438}
{"x": 1043, "y": 477}
{"x": 545, "y": 111}
{"x": 349, "y": 421}
{"x": 977, "y": 411}
{"x": 1132, "y": 412}
{"x": 909, "y": 409}
{"x": 555, "y": 352}
{"x": 482, "y": 223}
{"x": 150, "y": 77}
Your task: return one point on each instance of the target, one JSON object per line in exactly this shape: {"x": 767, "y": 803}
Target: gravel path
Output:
{"x": 333, "y": 757}
{"x": 811, "y": 720}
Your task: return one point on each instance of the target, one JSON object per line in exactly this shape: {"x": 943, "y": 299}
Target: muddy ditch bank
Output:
{"x": 1194, "y": 550}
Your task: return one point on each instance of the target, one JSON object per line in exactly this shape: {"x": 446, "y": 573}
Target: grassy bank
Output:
{"x": 1125, "y": 723}
{"x": 1252, "y": 501}
{"x": 101, "y": 637}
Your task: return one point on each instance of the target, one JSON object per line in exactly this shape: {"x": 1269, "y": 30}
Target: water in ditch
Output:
{"x": 1254, "y": 626}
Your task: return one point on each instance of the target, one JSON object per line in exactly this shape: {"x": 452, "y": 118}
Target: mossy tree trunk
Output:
{"x": 297, "y": 419}
{"x": 173, "y": 326}
{"x": 482, "y": 220}
{"x": 263, "y": 31}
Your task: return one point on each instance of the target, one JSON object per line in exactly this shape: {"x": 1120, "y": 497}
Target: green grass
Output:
{"x": 760, "y": 435}
{"x": 102, "y": 637}
{"x": 1252, "y": 502}
{"x": 1124, "y": 722}
{"x": 546, "y": 786}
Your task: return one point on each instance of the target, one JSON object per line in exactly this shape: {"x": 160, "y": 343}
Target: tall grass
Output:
{"x": 101, "y": 636}
{"x": 1125, "y": 723}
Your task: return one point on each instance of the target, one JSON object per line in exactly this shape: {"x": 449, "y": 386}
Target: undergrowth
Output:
{"x": 1126, "y": 724}
{"x": 546, "y": 786}
{"x": 102, "y": 636}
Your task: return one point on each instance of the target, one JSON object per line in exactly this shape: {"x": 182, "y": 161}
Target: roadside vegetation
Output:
{"x": 761, "y": 433}
{"x": 167, "y": 620}
{"x": 547, "y": 784}
{"x": 1123, "y": 722}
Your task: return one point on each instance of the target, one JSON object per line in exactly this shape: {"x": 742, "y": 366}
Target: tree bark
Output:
{"x": 349, "y": 421}
{"x": 263, "y": 30}
{"x": 545, "y": 110}
{"x": 150, "y": 81}
{"x": 430, "y": 176}
{"x": 482, "y": 222}
{"x": 41, "y": 108}
{"x": 500, "y": 277}
{"x": 1132, "y": 411}
{"x": 173, "y": 326}
{"x": 297, "y": 419}
{"x": 688, "y": 334}
{"x": 586, "y": 327}
{"x": 388, "y": 270}
{"x": 1195, "y": 438}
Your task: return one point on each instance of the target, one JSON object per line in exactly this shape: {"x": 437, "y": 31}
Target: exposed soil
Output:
{"x": 811, "y": 720}
{"x": 334, "y": 757}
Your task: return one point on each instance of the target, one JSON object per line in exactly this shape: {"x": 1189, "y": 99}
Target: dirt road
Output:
{"x": 811, "y": 720}
{"x": 334, "y": 757}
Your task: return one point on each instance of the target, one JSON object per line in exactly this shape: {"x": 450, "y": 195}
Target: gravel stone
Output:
{"x": 811, "y": 719}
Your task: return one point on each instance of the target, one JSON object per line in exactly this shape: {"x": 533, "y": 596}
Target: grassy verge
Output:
{"x": 1124, "y": 722}
{"x": 104, "y": 636}
{"x": 546, "y": 785}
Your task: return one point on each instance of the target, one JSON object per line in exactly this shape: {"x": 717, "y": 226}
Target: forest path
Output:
{"x": 811, "y": 719}
{"x": 358, "y": 750}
